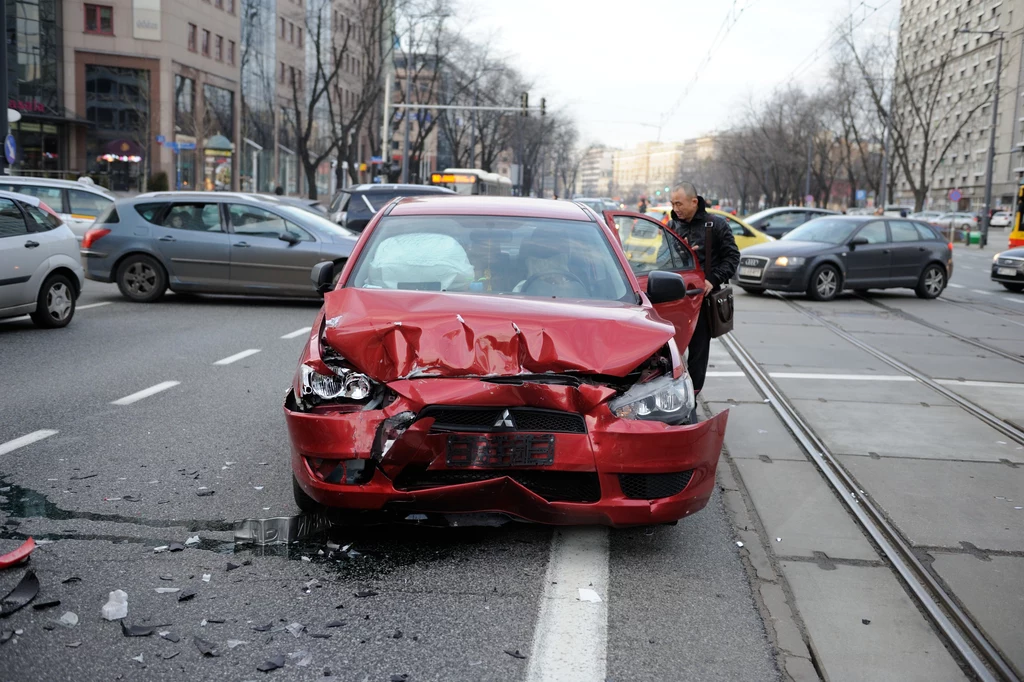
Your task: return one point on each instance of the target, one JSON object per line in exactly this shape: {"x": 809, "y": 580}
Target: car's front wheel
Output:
{"x": 1015, "y": 288}
{"x": 141, "y": 278}
{"x": 825, "y": 283}
{"x": 55, "y": 305}
{"x": 932, "y": 282}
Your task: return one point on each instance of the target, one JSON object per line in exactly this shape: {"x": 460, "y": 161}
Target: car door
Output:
{"x": 191, "y": 237}
{"x": 909, "y": 252}
{"x": 869, "y": 264}
{"x": 742, "y": 235}
{"x": 782, "y": 222}
{"x": 262, "y": 259}
{"x": 82, "y": 209}
{"x": 671, "y": 254}
{"x": 22, "y": 254}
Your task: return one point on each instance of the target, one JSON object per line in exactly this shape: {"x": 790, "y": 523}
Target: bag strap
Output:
{"x": 707, "y": 245}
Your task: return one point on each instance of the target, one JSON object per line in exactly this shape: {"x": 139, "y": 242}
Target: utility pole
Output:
{"x": 405, "y": 116}
{"x": 388, "y": 41}
{"x": 3, "y": 90}
{"x": 807, "y": 181}
{"x": 472, "y": 128}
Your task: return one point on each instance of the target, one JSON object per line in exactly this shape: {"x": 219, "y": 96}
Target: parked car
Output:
{"x": 497, "y": 354}
{"x": 776, "y": 222}
{"x": 39, "y": 269}
{"x": 599, "y": 204}
{"x": 209, "y": 242}
{"x": 898, "y": 211}
{"x": 927, "y": 216}
{"x": 828, "y": 255}
{"x": 1008, "y": 269}
{"x": 860, "y": 210}
{"x": 1000, "y": 219}
{"x": 745, "y": 234}
{"x": 958, "y": 221}
{"x": 354, "y": 207}
{"x": 312, "y": 205}
{"x": 76, "y": 202}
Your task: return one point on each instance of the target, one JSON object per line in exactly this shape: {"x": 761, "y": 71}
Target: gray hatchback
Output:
{"x": 210, "y": 242}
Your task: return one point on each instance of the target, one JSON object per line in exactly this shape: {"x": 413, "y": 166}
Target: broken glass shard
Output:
{"x": 205, "y": 648}
{"x": 271, "y": 664}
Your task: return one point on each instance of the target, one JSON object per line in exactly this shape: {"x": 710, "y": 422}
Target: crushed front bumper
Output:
{"x": 609, "y": 471}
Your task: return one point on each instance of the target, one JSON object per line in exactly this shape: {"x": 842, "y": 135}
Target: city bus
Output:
{"x": 473, "y": 181}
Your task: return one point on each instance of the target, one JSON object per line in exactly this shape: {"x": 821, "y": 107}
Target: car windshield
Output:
{"x": 824, "y": 230}
{"x": 308, "y": 218}
{"x": 761, "y": 215}
{"x": 492, "y": 255}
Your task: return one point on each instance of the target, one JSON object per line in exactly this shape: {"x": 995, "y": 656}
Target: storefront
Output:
{"x": 217, "y": 157}
{"x": 117, "y": 104}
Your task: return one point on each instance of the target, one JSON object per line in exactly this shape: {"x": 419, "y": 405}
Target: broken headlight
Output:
{"x": 343, "y": 384}
{"x": 663, "y": 399}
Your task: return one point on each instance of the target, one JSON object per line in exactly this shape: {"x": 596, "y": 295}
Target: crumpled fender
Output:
{"x": 391, "y": 335}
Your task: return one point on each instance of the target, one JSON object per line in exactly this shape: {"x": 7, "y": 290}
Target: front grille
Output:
{"x": 654, "y": 486}
{"x": 553, "y": 486}
{"x": 759, "y": 262}
{"x": 1012, "y": 262}
{"x": 487, "y": 419}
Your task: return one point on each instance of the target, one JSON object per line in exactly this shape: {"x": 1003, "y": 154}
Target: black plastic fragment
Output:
{"x": 170, "y": 655}
{"x": 336, "y": 624}
{"x": 400, "y": 678}
{"x": 264, "y": 628}
{"x": 24, "y": 592}
{"x": 271, "y": 664}
{"x": 515, "y": 654}
{"x": 232, "y": 566}
{"x": 135, "y": 630}
{"x": 218, "y": 621}
{"x": 320, "y": 635}
{"x": 366, "y": 593}
{"x": 175, "y": 547}
{"x": 6, "y": 635}
{"x": 72, "y": 579}
{"x": 82, "y": 478}
{"x": 397, "y": 635}
{"x": 46, "y": 604}
{"x": 205, "y": 493}
{"x": 205, "y": 648}
{"x": 865, "y": 621}
{"x": 172, "y": 637}
{"x": 185, "y": 596}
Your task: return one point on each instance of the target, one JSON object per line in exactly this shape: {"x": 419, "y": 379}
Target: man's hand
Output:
{"x": 708, "y": 286}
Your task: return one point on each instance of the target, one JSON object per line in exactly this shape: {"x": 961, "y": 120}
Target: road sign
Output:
{"x": 160, "y": 139}
{"x": 809, "y": 200}
{"x": 862, "y": 195}
{"x": 10, "y": 149}
{"x": 186, "y": 145}
{"x": 954, "y": 195}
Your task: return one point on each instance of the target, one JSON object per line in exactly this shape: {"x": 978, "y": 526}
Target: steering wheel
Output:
{"x": 546, "y": 277}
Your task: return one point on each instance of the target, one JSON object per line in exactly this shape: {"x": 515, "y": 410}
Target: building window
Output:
{"x": 219, "y": 4}
{"x": 192, "y": 30}
{"x": 231, "y": 6}
{"x": 206, "y": 43}
{"x": 99, "y": 19}
{"x": 300, "y": 36}
{"x": 218, "y": 48}
{"x": 231, "y": 52}
{"x": 291, "y": 32}
{"x": 280, "y": 75}
{"x": 282, "y": 27}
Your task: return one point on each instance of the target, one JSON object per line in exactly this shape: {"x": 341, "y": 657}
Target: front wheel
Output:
{"x": 55, "y": 305}
{"x": 1015, "y": 288}
{"x": 303, "y": 501}
{"x": 753, "y": 292}
{"x": 824, "y": 284}
{"x": 141, "y": 279}
{"x": 932, "y": 282}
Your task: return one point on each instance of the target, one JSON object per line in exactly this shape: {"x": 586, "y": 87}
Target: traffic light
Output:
{"x": 524, "y": 104}
{"x": 543, "y": 107}
{"x": 657, "y": 192}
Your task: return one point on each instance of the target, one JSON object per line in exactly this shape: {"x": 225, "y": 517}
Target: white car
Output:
{"x": 1000, "y": 219}
{"x": 40, "y": 269}
{"x": 76, "y": 202}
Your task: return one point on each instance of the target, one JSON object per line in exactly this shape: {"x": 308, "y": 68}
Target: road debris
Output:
{"x": 739, "y": 544}
{"x": 362, "y": 594}
{"x": 24, "y": 592}
{"x": 69, "y": 619}
{"x": 205, "y": 493}
{"x": 167, "y": 590}
{"x": 194, "y": 540}
{"x": 865, "y": 621}
{"x": 515, "y": 654}
{"x": 135, "y": 630}
{"x": 232, "y": 643}
{"x": 18, "y": 556}
{"x": 588, "y": 595}
{"x": 116, "y": 606}
{"x": 336, "y": 624}
{"x": 176, "y": 547}
{"x": 206, "y": 577}
{"x": 295, "y": 628}
{"x": 303, "y": 656}
{"x": 205, "y": 648}
{"x": 72, "y": 579}
{"x": 139, "y": 659}
{"x": 232, "y": 566}
{"x": 185, "y": 596}
{"x": 169, "y": 636}
{"x": 169, "y": 655}
{"x": 39, "y": 606}
{"x": 271, "y": 664}
{"x": 281, "y": 529}
{"x": 73, "y": 645}
{"x": 263, "y": 628}
{"x": 161, "y": 548}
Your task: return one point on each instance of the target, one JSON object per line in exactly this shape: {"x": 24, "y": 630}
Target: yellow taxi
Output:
{"x": 745, "y": 234}
{"x": 643, "y": 241}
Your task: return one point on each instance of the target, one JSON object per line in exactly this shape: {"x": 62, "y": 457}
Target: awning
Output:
{"x": 122, "y": 148}
{"x": 219, "y": 142}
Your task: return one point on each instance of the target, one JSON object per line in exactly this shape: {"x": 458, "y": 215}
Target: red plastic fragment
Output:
{"x": 18, "y": 556}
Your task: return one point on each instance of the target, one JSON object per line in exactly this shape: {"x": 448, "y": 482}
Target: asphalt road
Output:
{"x": 117, "y": 480}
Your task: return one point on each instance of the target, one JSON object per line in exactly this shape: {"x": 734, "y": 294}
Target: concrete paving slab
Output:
{"x": 885, "y": 323}
{"x": 800, "y": 513}
{"x": 991, "y": 591}
{"x": 754, "y": 430}
{"x": 941, "y": 504}
{"x": 909, "y": 347}
{"x": 896, "y": 644}
{"x": 891, "y": 392}
{"x": 1007, "y": 403}
{"x": 725, "y": 389}
{"x": 992, "y": 368}
{"x": 935, "y": 432}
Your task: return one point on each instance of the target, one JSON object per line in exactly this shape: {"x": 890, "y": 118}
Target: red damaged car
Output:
{"x": 483, "y": 354}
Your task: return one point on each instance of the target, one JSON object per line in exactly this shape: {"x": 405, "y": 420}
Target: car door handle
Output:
{"x": 31, "y": 244}
{"x": 242, "y": 245}
{"x": 168, "y": 238}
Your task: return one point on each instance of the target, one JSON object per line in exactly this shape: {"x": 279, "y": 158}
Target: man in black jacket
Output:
{"x": 690, "y": 221}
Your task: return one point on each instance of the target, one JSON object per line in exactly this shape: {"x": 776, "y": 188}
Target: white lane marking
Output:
{"x": 92, "y": 305}
{"x": 983, "y": 293}
{"x": 297, "y": 332}
{"x": 237, "y": 356}
{"x": 570, "y": 640}
{"x": 1011, "y": 299}
{"x": 957, "y": 286}
{"x": 840, "y": 377}
{"x": 27, "y": 439}
{"x": 725, "y": 375}
{"x": 145, "y": 393}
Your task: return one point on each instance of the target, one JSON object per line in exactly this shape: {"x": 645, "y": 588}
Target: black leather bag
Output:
{"x": 719, "y": 304}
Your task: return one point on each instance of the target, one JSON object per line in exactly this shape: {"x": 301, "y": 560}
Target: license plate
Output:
{"x": 1006, "y": 271}
{"x": 750, "y": 272}
{"x": 501, "y": 450}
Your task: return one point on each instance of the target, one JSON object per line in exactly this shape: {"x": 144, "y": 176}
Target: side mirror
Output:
{"x": 288, "y": 237}
{"x": 322, "y": 276}
{"x": 858, "y": 241}
{"x": 663, "y": 287}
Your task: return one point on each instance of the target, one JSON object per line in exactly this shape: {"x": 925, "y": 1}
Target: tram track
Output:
{"x": 954, "y": 623}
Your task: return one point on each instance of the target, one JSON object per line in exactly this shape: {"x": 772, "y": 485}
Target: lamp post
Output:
{"x": 994, "y": 33}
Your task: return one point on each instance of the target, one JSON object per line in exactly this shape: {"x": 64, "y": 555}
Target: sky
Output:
{"x": 623, "y": 68}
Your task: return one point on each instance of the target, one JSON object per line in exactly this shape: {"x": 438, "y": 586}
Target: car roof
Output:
{"x": 372, "y": 188}
{"x": 25, "y": 198}
{"x": 56, "y": 182}
{"x": 492, "y": 206}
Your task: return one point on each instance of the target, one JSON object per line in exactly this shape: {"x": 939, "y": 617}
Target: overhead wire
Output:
{"x": 834, "y": 37}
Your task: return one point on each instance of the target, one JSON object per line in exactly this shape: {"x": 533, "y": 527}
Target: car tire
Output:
{"x": 141, "y": 278}
{"x": 55, "y": 305}
{"x": 825, "y": 283}
{"x": 303, "y": 501}
{"x": 1015, "y": 288}
{"x": 753, "y": 292}
{"x": 932, "y": 282}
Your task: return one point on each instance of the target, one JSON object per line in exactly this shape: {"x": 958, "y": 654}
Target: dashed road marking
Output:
{"x": 983, "y": 293}
{"x": 145, "y": 393}
{"x": 297, "y": 332}
{"x": 1011, "y": 299}
{"x": 957, "y": 286}
{"x": 27, "y": 439}
{"x": 237, "y": 356}
{"x": 92, "y": 305}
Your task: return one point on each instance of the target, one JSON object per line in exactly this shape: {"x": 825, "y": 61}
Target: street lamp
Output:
{"x": 994, "y": 33}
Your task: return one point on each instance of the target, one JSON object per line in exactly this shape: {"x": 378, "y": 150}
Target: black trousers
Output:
{"x": 699, "y": 350}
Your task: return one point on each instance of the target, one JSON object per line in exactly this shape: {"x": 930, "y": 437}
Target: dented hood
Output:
{"x": 390, "y": 335}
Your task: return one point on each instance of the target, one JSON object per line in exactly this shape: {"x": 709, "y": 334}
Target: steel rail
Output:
{"x": 953, "y": 622}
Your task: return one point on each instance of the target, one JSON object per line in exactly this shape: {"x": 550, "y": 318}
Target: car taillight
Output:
{"x": 950, "y": 245}
{"x": 93, "y": 235}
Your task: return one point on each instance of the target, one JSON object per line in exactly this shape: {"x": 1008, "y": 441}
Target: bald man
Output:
{"x": 690, "y": 221}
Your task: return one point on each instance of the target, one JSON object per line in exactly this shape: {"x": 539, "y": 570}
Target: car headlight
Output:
{"x": 663, "y": 399}
{"x": 344, "y": 383}
{"x": 785, "y": 261}
{"x": 996, "y": 257}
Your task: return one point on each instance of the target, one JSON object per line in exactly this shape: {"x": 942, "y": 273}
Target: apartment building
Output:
{"x": 647, "y": 169}
{"x": 595, "y": 178}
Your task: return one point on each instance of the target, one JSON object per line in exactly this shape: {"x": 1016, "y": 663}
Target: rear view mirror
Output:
{"x": 663, "y": 287}
{"x": 858, "y": 241}
{"x": 288, "y": 237}
{"x": 322, "y": 276}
